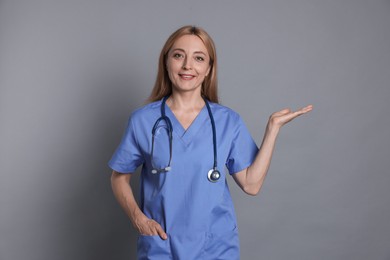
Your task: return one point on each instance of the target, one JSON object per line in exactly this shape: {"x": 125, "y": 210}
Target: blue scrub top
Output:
{"x": 197, "y": 215}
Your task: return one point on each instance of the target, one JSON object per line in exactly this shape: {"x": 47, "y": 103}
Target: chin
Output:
{"x": 186, "y": 89}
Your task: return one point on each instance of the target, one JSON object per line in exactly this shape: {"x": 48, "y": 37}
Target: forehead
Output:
{"x": 191, "y": 43}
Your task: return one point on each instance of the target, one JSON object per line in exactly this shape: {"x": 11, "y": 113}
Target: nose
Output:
{"x": 187, "y": 65}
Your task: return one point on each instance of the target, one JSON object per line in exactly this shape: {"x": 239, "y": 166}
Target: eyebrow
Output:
{"x": 197, "y": 52}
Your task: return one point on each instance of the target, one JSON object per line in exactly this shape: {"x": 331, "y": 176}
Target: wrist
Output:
{"x": 272, "y": 128}
{"x": 136, "y": 214}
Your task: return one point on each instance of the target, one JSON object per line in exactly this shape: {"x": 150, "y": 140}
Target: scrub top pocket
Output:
{"x": 153, "y": 248}
{"x": 223, "y": 246}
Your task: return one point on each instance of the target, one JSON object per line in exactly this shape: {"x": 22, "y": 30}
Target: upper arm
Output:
{"x": 242, "y": 150}
{"x": 120, "y": 177}
{"x": 240, "y": 178}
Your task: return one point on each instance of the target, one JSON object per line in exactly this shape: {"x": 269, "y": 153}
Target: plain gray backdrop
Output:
{"x": 71, "y": 72}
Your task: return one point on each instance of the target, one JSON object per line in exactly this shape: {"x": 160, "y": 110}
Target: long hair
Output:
{"x": 163, "y": 85}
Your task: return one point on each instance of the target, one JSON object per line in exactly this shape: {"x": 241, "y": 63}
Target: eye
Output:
{"x": 199, "y": 58}
{"x": 177, "y": 55}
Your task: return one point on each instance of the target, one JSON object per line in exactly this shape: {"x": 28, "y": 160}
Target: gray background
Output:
{"x": 71, "y": 72}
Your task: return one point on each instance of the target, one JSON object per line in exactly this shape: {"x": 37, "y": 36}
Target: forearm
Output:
{"x": 122, "y": 190}
{"x": 257, "y": 171}
{"x": 124, "y": 195}
{"x": 251, "y": 179}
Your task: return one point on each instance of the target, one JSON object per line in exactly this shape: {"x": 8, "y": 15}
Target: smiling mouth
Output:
{"x": 186, "y": 76}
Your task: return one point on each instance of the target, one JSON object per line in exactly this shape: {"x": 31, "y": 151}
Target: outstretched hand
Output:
{"x": 280, "y": 118}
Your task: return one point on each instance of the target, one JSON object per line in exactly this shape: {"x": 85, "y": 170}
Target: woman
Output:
{"x": 184, "y": 139}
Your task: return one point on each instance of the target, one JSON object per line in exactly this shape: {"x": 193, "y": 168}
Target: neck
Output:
{"x": 185, "y": 101}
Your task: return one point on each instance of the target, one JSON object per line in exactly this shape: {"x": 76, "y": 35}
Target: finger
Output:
{"x": 148, "y": 228}
{"x": 307, "y": 108}
{"x": 296, "y": 114}
{"x": 147, "y": 231}
{"x": 288, "y": 117}
{"x": 282, "y": 112}
{"x": 161, "y": 232}
{"x": 304, "y": 110}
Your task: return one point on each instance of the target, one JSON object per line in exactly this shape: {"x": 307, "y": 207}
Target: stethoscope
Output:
{"x": 213, "y": 175}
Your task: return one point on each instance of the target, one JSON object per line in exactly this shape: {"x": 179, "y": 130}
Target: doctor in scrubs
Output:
{"x": 188, "y": 144}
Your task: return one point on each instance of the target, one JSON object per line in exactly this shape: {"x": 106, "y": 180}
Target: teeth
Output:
{"x": 186, "y": 76}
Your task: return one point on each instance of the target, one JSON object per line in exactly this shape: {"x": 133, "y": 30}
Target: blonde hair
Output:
{"x": 163, "y": 85}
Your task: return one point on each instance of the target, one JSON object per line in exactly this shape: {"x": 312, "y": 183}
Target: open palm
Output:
{"x": 280, "y": 118}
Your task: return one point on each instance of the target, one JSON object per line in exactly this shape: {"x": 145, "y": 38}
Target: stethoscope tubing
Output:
{"x": 214, "y": 133}
{"x": 213, "y": 175}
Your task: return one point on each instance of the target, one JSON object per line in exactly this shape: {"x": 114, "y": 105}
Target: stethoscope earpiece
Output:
{"x": 166, "y": 169}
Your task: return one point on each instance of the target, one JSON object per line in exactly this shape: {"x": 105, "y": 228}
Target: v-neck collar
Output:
{"x": 187, "y": 135}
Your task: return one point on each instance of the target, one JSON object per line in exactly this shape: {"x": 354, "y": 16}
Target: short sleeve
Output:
{"x": 243, "y": 149}
{"x": 127, "y": 157}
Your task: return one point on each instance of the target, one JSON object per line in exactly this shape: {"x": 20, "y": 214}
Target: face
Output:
{"x": 188, "y": 63}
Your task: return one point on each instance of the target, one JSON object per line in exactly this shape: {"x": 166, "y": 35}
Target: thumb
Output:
{"x": 282, "y": 112}
{"x": 161, "y": 232}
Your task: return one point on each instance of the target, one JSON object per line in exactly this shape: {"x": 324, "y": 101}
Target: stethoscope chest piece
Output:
{"x": 213, "y": 175}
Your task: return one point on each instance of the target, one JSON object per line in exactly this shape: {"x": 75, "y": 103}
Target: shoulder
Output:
{"x": 226, "y": 117}
{"x": 224, "y": 111}
{"x": 147, "y": 110}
